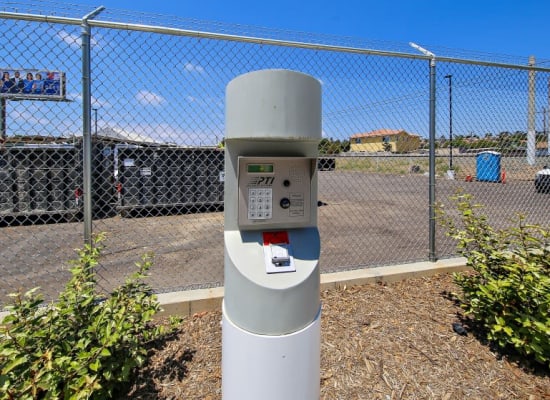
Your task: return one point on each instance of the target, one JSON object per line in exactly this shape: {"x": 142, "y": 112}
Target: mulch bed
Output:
{"x": 393, "y": 341}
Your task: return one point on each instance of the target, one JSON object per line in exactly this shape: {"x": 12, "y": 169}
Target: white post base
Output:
{"x": 271, "y": 367}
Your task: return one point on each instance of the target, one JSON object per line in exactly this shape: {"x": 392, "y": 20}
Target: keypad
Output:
{"x": 260, "y": 203}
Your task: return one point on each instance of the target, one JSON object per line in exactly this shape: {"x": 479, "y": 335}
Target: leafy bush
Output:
{"x": 82, "y": 346}
{"x": 508, "y": 294}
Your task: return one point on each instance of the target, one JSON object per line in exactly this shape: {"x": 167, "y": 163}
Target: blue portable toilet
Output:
{"x": 488, "y": 166}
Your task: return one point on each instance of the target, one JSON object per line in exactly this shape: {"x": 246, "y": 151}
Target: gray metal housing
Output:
{"x": 270, "y": 113}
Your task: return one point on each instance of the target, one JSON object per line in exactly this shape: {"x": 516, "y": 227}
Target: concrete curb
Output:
{"x": 187, "y": 303}
{"x": 190, "y": 302}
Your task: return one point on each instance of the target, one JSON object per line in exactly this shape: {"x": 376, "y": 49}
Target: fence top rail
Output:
{"x": 254, "y": 40}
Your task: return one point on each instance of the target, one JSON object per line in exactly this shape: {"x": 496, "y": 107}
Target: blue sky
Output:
{"x": 393, "y": 94}
{"x": 511, "y": 27}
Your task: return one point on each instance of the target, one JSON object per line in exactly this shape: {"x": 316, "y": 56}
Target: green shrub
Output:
{"x": 508, "y": 294}
{"x": 83, "y": 345}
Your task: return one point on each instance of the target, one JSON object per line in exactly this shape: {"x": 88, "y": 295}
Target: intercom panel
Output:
{"x": 275, "y": 192}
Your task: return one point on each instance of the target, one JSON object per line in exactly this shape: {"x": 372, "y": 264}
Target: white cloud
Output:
{"x": 190, "y": 67}
{"x": 100, "y": 103}
{"x": 96, "y": 102}
{"x": 30, "y": 117}
{"x": 69, "y": 38}
{"x": 74, "y": 40}
{"x": 148, "y": 98}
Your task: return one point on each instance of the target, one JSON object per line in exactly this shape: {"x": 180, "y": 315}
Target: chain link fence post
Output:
{"x": 87, "y": 125}
{"x": 432, "y": 256}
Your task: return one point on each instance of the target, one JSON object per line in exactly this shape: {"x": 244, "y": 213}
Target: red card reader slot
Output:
{"x": 278, "y": 237}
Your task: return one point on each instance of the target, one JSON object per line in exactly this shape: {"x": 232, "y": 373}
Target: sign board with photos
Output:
{"x": 32, "y": 84}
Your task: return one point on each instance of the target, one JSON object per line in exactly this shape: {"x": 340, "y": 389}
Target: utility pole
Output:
{"x": 531, "y": 113}
{"x": 544, "y": 120}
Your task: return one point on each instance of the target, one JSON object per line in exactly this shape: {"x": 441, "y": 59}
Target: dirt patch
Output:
{"x": 392, "y": 341}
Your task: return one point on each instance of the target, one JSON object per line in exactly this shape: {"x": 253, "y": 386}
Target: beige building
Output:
{"x": 393, "y": 140}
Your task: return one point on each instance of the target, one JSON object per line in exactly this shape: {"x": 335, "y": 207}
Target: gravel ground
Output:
{"x": 365, "y": 220}
{"x": 392, "y": 341}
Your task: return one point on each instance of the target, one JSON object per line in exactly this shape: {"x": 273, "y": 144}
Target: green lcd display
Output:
{"x": 259, "y": 168}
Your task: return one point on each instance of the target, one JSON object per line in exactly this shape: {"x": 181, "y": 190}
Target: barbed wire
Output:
{"x": 68, "y": 10}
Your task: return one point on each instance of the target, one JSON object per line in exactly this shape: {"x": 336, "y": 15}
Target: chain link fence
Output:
{"x": 156, "y": 128}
